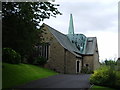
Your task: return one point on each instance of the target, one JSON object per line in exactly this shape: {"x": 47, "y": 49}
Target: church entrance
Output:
{"x": 78, "y": 66}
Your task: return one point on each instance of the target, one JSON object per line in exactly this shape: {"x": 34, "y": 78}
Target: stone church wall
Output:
{"x": 96, "y": 61}
{"x": 88, "y": 60}
{"x": 71, "y": 62}
{"x": 56, "y": 53}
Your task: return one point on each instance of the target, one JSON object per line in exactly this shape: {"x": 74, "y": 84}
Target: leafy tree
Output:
{"x": 110, "y": 62}
{"x": 20, "y": 24}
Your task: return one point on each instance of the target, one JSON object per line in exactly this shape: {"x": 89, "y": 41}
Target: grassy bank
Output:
{"x": 101, "y": 87}
{"x": 14, "y": 75}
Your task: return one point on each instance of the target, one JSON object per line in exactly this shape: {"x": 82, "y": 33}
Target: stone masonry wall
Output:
{"x": 71, "y": 63}
{"x": 96, "y": 61}
{"x": 56, "y": 53}
{"x": 88, "y": 60}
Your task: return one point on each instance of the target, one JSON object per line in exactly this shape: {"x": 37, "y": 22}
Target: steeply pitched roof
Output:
{"x": 63, "y": 40}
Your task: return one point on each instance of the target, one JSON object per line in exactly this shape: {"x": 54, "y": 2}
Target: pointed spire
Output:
{"x": 71, "y": 26}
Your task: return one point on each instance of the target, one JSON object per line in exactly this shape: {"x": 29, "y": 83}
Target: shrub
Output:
{"x": 104, "y": 76}
{"x": 40, "y": 60}
{"x": 11, "y": 56}
{"x": 117, "y": 83}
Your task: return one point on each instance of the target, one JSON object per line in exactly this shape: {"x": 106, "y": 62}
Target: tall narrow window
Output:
{"x": 78, "y": 66}
{"x": 43, "y": 50}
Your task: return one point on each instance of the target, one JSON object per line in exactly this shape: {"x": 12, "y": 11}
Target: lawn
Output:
{"x": 16, "y": 74}
{"x": 102, "y": 88}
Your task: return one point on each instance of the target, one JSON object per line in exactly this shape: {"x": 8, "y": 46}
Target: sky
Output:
{"x": 93, "y": 18}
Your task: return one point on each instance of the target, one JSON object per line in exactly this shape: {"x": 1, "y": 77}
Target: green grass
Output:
{"x": 17, "y": 74}
{"x": 101, "y": 87}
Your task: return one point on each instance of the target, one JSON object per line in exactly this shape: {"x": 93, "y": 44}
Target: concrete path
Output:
{"x": 60, "y": 81}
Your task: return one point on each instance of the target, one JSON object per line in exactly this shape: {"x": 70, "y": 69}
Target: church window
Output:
{"x": 43, "y": 50}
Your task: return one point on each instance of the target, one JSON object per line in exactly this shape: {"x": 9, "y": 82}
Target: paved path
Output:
{"x": 60, "y": 81}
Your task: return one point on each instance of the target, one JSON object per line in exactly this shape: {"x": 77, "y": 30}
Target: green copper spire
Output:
{"x": 77, "y": 40}
{"x": 71, "y": 26}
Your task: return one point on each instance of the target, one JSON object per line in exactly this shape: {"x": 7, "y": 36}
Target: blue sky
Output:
{"x": 93, "y": 18}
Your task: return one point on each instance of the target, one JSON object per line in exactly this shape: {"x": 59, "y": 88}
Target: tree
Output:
{"x": 20, "y": 24}
{"x": 110, "y": 62}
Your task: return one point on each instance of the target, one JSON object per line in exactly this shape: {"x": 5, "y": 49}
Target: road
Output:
{"x": 60, "y": 81}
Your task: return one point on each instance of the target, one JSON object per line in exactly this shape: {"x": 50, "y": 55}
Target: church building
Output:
{"x": 69, "y": 53}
